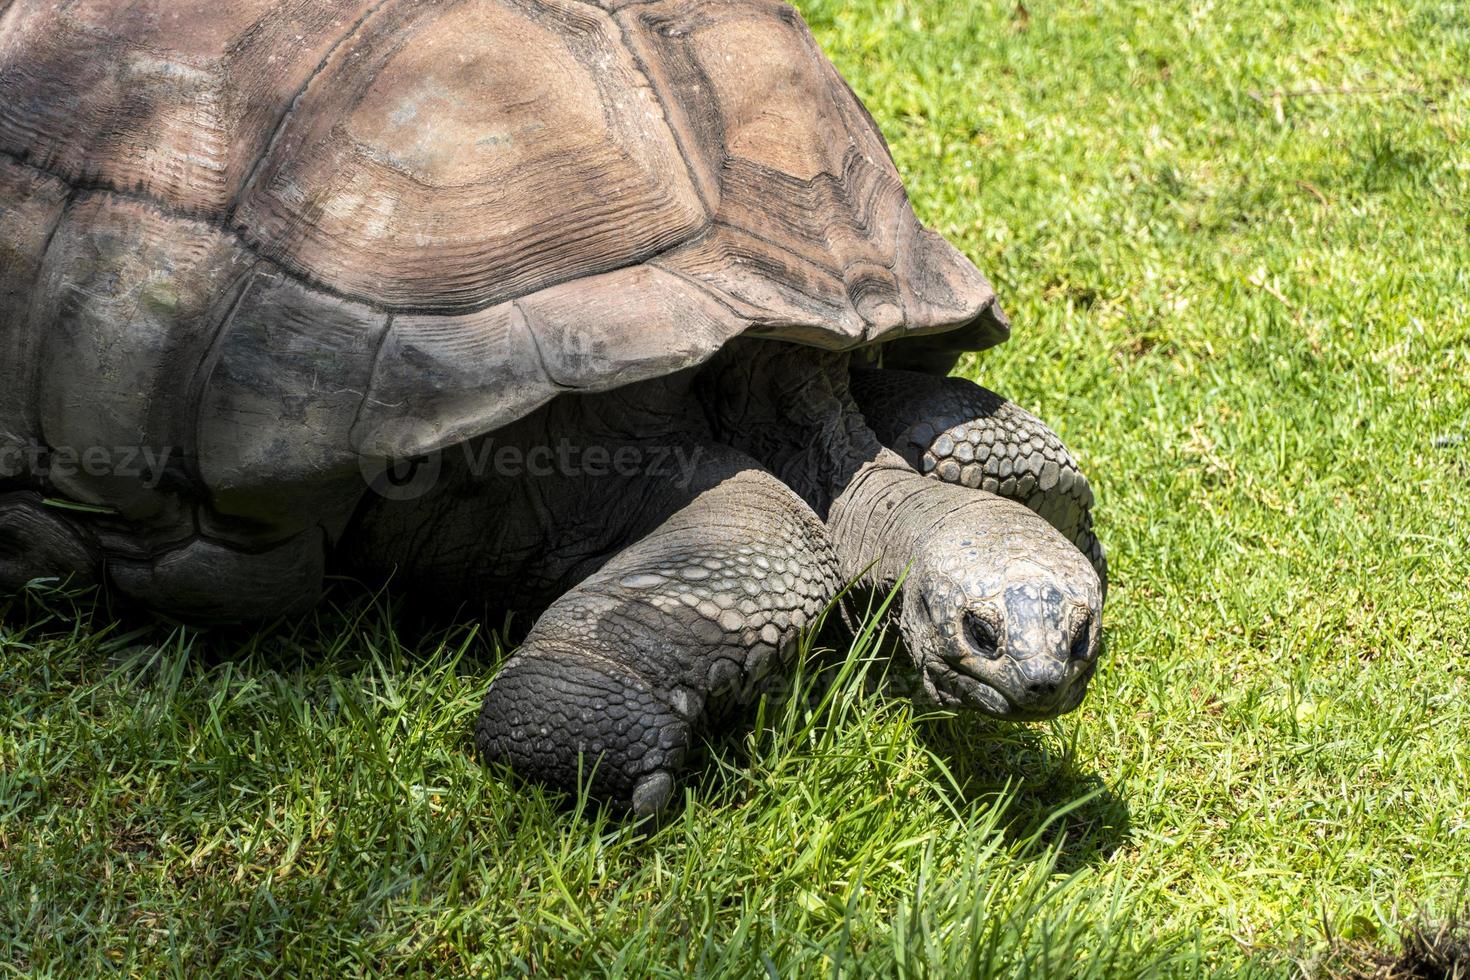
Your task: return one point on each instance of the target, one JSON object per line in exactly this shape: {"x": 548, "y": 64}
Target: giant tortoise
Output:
{"x": 615, "y": 311}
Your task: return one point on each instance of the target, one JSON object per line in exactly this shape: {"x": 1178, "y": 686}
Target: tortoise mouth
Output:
{"x": 952, "y": 686}
{"x": 1021, "y": 646}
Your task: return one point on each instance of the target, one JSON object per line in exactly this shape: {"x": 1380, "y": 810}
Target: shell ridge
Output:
{"x": 786, "y": 250}
{"x": 33, "y": 373}
{"x": 280, "y": 268}
{"x": 519, "y": 317}
{"x": 210, "y": 361}
{"x": 169, "y": 210}
{"x": 275, "y": 137}
{"x": 376, "y": 360}
{"x": 661, "y": 97}
{"x": 702, "y": 287}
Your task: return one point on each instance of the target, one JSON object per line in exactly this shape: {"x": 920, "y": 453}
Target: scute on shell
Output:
{"x": 283, "y": 235}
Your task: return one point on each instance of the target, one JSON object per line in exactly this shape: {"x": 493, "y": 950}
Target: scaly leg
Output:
{"x": 617, "y": 674}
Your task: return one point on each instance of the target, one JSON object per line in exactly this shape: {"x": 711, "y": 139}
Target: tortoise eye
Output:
{"x": 982, "y": 636}
{"x": 1082, "y": 644}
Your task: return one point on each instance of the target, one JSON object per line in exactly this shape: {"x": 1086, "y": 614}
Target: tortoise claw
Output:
{"x": 652, "y": 795}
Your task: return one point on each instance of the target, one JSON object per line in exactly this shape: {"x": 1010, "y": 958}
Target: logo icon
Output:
{"x": 407, "y": 477}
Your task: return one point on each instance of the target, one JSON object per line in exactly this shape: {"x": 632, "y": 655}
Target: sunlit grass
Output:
{"x": 1234, "y": 240}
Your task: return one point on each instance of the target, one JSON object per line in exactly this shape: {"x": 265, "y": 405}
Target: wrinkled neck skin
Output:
{"x": 789, "y": 407}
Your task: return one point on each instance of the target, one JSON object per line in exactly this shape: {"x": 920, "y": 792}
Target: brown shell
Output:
{"x": 282, "y": 235}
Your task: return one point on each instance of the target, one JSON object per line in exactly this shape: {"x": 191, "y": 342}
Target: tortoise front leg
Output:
{"x": 960, "y": 433}
{"x": 619, "y": 672}
{"x": 38, "y": 543}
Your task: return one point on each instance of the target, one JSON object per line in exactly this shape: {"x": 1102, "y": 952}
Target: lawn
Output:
{"x": 1234, "y": 239}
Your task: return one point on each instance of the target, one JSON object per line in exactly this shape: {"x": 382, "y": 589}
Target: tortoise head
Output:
{"x": 1006, "y": 620}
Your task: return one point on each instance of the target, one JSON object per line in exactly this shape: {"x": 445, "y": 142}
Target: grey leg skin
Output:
{"x": 618, "y": 673}
{"x": 958, "y": 432}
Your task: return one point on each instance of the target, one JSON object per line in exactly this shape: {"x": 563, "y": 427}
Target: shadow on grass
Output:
{"x": 1046, "y": 797}
{"x": 347, "y": 632}
{"x": 1050, "y": 798}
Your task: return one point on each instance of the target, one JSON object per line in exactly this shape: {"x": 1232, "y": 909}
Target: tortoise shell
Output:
{"x": 282, "y": 236}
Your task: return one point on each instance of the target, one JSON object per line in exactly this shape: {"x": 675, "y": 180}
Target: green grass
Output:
{"x": 1233, "y": 238}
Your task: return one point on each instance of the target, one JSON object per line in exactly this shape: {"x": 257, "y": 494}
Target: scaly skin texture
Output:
{"x": 998, "y": 612}
{"x": 672, "y": 595}
{"x": 956, "y": 431}
{"x": 625, "y": 665}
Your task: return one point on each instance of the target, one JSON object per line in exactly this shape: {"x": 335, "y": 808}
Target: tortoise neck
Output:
{"x": 789, "y": 407}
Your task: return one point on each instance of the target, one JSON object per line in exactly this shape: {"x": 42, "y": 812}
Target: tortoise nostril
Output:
{"x": 983, "y": 637}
